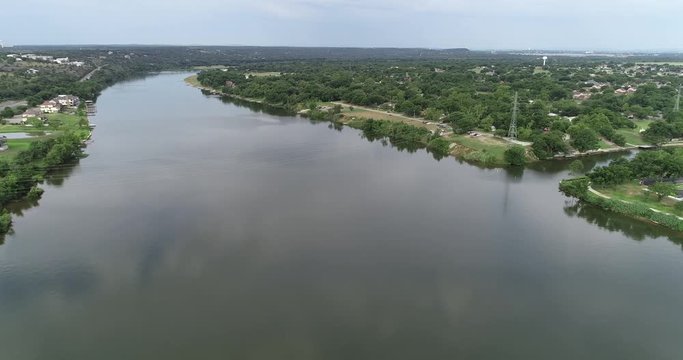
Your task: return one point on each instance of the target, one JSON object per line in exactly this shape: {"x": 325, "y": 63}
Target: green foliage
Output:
{"x": 439, "y": 146}
{"x": 578, "y": 188}
{"x": 402, "y": 136}
{"x": 35, "y": 193}
{"x": 660, "y": 164}
{"x": 6, "y": 113}
{"x": 658, "y": 133}
{"x": 617, "y": 172}
{"x": 19, "y": 177}
{"x": 5, "y": 222}
{"x": 560, "y": 125}
{"x": 483, "y": 157}
{"x": 663, "y": 189}
{"x": 515, "y": 155}
{"x": 546, "y": 145}
{"x": 583, "y": 138}
{"x": 576, "y": 167}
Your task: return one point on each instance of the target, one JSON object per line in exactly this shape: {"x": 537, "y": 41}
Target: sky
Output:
{"x": 475, "y": 24}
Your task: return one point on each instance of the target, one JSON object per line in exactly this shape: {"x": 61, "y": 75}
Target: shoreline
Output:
{"x": 581, "y": 189}
{"x": 458, "y": 150}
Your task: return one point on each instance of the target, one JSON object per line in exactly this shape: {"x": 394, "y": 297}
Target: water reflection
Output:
{"x": 69, "y": 281}
{"x": 613, "y": 222}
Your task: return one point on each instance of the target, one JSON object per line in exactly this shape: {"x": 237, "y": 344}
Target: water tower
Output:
{"x": 545, "y": 58}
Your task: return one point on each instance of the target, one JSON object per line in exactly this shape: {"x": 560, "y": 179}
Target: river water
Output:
{"x": 203, "y": 229}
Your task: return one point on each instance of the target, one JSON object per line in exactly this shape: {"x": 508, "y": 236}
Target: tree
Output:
{"x": 6, "y": 113}
{"x": 548, "y": 144}
{"x": 617, "y": 172}
{"x": 465, "y": 122}
{"x": 584, "y": 138}
{"x": 576, "y": 167}
{"x": 515, "y": 155}
{"x": 663, "y": 189}
{"x": 658, "y": 133}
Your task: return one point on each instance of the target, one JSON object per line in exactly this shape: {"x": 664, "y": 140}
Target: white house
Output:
{"x": 50, "y": 107}
{"x": 62, "y": 61}
{"x": 67, "y": 100}
{"x": 31, "y": 71}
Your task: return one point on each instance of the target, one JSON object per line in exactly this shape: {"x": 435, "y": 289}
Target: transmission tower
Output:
{"x": 677, "y": 105}
{"x": 512, "y": 133}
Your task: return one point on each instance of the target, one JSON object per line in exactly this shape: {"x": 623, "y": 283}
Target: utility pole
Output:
{"x": 512, "y": 133}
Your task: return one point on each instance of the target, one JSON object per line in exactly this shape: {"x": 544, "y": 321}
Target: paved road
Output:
{"x": 90, "y": 74}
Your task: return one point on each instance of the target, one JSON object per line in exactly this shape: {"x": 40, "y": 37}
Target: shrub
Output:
{"x": 515, "y": 155}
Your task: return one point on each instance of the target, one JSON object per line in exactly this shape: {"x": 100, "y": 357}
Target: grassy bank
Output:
{"x": 580, "y": 188}
{"x": 484, "y": 149}
{"x": 636, "y": 193}
{"x": 56, "y": 125}
{"x": 406, "y": 133}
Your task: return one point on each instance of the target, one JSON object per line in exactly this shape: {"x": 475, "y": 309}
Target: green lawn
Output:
{"x": 63, "y": 122}
{"x": 632, "y": 136}
{"x": 490, "y": 145}
{"x": 634, "y": 192}
{"x": 15, "y": 147}
{"x": 604, "y": 145}
{"x": 16, "y": 129}
{"x": 66, "y": 121}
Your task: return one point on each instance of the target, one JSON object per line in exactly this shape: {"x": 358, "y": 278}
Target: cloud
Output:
{"x": 430, "y": 23}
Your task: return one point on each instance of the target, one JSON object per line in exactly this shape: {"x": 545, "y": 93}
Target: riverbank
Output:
{"x": 476, "y": 147}
{"x": 192, "y": 81}
{"x": 581, "y": 189}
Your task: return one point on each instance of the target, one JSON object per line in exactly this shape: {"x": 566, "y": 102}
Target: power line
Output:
{"x": 512, "y": 133}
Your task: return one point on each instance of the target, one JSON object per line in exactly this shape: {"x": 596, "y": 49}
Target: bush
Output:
{"x": 35, "y": 193}
{"x": 5, "y": 222}
{"x": 482, "y": 156}
{"x": 515, "y": 155}
{"x": 439, "y": 146}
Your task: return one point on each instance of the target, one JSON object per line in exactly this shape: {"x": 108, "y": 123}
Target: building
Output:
{"x": 33, "y": 112}
{"x": 67, "y": 100}
{"x": 31, "y": 71}
{"x": 50, "y": 107}
{"x": 62, "y": 61}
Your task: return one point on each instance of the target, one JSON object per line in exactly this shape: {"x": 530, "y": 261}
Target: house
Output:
{"x": 62, "y": 61}
{"x": 77, "y": 63}
{"x": 33, "y": 112}
{"x": 38, "y": 57}
{"x": 581, "y": 95}
{"x": 67, "y": 100}
{"x": 50, "y": 107}
{"x": 32, "y": 71}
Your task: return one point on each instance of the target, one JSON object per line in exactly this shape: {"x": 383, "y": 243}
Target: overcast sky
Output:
{"x": 476, "y": 24}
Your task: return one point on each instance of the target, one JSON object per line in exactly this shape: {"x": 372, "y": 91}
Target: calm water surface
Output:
{"x": 201, "y": 229}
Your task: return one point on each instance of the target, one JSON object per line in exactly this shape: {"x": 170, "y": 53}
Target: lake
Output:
{"x": 199, "y": 228}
